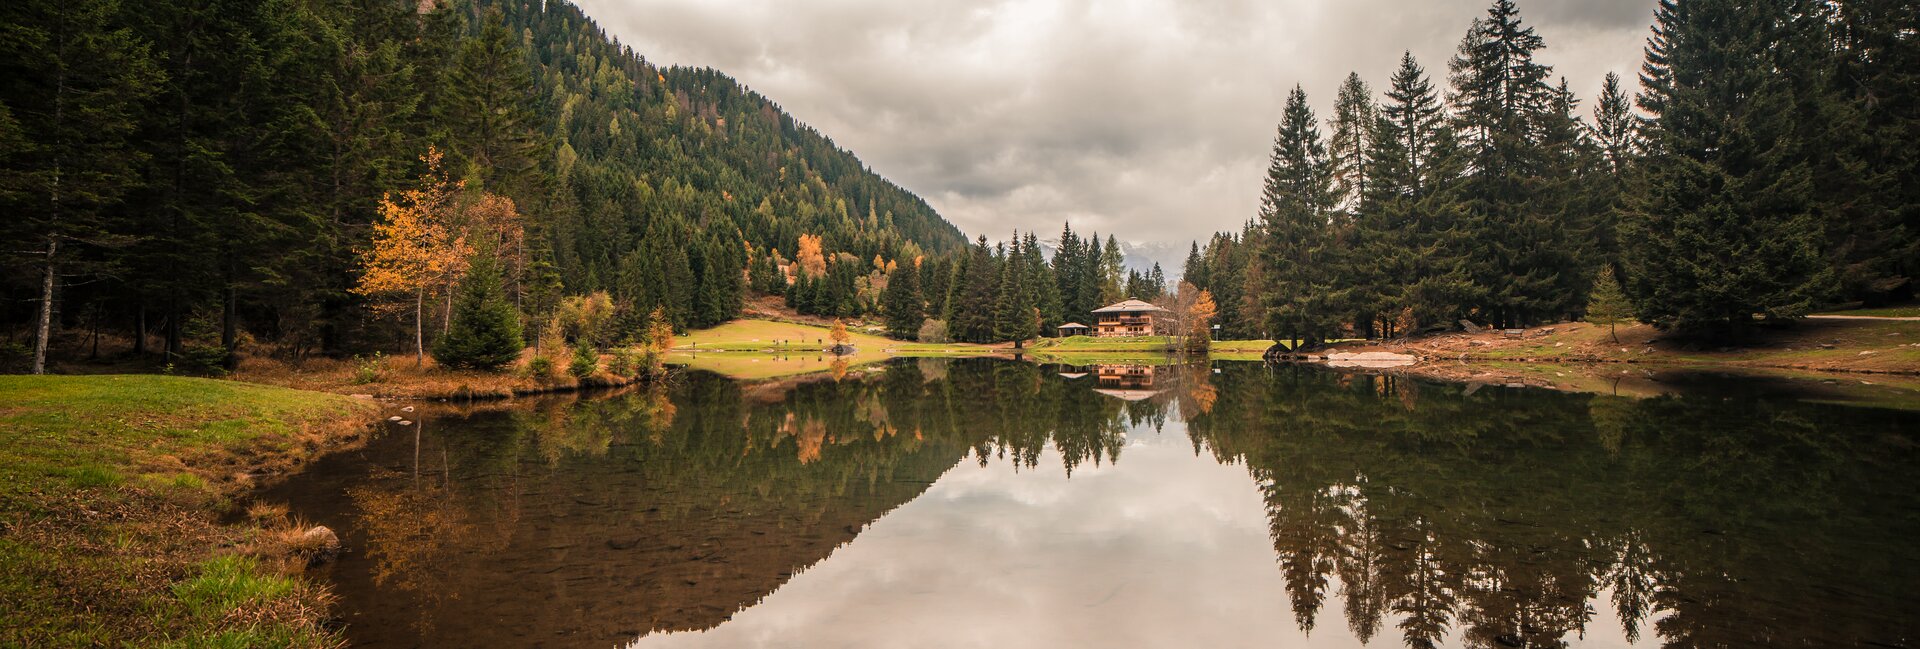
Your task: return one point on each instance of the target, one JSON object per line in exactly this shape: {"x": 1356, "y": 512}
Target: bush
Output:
{"x": 585, "y": 361}
{"x": 933, "y": 331}
{"x": 366, "y": 370}
{"x": 205, "y": 360}
{"x": 625, "y": 362}
{"x": 540, "y": 367}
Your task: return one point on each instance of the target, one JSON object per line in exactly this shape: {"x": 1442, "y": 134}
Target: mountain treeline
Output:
{"x": 200, "y": 174}
{"x": 1010, "y": 291}
{"x": 1770, "y": 168}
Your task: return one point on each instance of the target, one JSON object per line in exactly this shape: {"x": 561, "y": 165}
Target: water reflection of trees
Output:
{"x": 1494, "y": 516}
{"x": 690, "y": 501}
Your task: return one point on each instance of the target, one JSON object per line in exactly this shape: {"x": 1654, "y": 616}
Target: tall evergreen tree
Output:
{"x": 1722, "y": 222}
{"x": 1300, "y": 296}
{"x": 1502, "y": 105}
{"x": 971, "y": 316}
{"x": 1354, "y": 115}
{"x": 902, "y": 303}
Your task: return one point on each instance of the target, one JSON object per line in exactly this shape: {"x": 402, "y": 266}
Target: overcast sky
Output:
{"x": 1150, "y": 119}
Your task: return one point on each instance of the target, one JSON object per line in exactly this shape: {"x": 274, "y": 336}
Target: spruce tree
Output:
{"x": 1041, "y": 281}
{"x": 485, "y": 333}
{"x": 1013, "y": 306}
{"x": 972, "y": 315}
{"x": 1354, "y": 115}
{"x": 1606, "y": 304}
{"x": 489, "y": 110}
{"x": 1299, "y": 294}
{"x": 902, "y": 303}
{"x": 1412, "y": 216}
{"x": 1112, "y": 268}
{"x": 1501, "y": 100}
{"x": 1722, "y": 223}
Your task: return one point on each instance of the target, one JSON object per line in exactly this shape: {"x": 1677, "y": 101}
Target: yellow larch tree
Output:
{"x": 812, "y": 262}
{"x": 414, "y": 247}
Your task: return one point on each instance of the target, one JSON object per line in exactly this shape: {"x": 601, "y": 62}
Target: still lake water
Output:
{"x": 981, "y": 503}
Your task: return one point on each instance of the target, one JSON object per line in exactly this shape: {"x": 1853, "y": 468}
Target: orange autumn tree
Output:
{"x": 415, "y": 246}
{"x": 839, "y": 334}
{"x": 809, "y": 256}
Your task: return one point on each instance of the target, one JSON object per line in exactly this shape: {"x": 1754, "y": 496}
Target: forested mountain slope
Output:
{"x": 205, "y": 171}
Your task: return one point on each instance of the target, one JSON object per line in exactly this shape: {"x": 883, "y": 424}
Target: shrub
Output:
{"x": 540, "y": 367}
{"x": 625, "y": 362}
{"x": 367, "y": 370}
{"x": 207, "y": 360}
{"x": 933, "y": 331}
{"x": 585, "y": 361}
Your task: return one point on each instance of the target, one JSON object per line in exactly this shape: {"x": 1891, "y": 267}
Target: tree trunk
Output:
{"x": 419, "y": 328}
{"x": 140, "y": 329}
{"x": 45, "y": 327}
{"x": 229, "y": 340}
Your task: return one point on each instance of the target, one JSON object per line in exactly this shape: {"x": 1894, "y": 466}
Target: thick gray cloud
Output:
{"x": 1150, "y": 119}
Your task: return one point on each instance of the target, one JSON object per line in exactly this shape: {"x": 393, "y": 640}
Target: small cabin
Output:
{"x": 1074, "y": 329}
{"x": 1127, "y": 318}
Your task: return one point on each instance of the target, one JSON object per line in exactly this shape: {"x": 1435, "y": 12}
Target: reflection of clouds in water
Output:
{"x": 1164, "y": 549}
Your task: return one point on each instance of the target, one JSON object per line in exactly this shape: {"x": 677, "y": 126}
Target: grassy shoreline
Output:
{"x": 112, "y": 492}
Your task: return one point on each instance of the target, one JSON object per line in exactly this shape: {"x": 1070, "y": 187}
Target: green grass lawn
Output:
{"x": 93, "y": 431}
{"x": 111, "y": 488}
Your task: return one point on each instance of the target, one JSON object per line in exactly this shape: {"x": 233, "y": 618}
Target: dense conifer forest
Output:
{"x": 1770, "y": 168}
{"x": 209, "y": 173}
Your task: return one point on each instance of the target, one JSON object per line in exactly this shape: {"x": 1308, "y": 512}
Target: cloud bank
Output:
{"x": 1149, "y": 119}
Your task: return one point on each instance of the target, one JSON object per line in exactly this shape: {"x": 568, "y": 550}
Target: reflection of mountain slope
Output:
{"x": 578, "y": 548}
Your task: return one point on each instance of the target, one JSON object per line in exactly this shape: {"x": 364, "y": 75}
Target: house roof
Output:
{"x": 1072, "y": 325}
{"x": 1127, "y": 306}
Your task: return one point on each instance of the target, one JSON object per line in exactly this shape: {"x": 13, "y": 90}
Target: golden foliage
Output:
{"x": 812, "y": 262}
{"x": 414, "y": 243}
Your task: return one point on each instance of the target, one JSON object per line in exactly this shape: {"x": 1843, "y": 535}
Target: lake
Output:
{"x": 988, "y": 503}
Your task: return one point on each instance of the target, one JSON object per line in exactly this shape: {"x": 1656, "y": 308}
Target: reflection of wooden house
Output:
{"x": 1074, "y": 329}
{"x": 1129, "y": 382}
{"x": 1128, "y": 317}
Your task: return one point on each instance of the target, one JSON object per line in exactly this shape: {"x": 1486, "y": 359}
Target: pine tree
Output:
{"x": 1041, "y": 281}
{"x": 902, "y": 303}
{"x": 971, "y": 316}
{"x": 489, "y": 111}
{"x": 1112, "y": 268}
{"x": 1299, "y": 295}
{"x": 1014, "y": 315}
{"x": 1502, "y": 100}
{"x": 485, "y": 334}
{"x": 1606, "y": 304}
{"x": 1354, "y": 115}
{"x": 1865, "y": 121}
{"x": 1722, "y": 220}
